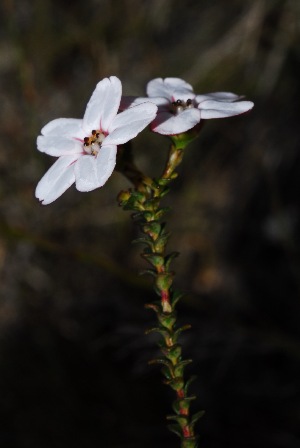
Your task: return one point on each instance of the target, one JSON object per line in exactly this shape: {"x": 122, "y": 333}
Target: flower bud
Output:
{"x": 123, "y": 197}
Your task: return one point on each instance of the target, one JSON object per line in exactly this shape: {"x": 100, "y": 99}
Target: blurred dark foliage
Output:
{"x": 73, "y": 356}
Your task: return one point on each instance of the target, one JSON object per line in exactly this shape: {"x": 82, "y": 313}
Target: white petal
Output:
{"x": 103, "y": 105}
{"x": 130, "y": 101}
{"x": 178, "y": 83}
{"x": 218, "y": 96}
{"x": 129, "y": 123}
{"x": 58, "y": 146}
{"x": 69, "y": 127}
{"x": 215, "y": 109}
{"x": 86, "y": 173}
{"x": 168, "y": 124}
{"x": 106, "y": 162}
{"x": 92, "y": 172}
{"x": 167, "y": 87}
{"x": 56, "y": 180}
{"x": 181, "y": 94}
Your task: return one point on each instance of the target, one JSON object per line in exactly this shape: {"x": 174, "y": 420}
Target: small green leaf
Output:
{"x": 167, "y": 373}
{"x": 151, "y": 272}
{"x": 180, "y": 419}
{"x": 170, "y": 257}
{"x": 183, "y": 403}
{"x": 154, "y": 306}
{"x": 176, "y": 383}
{"x": 159, "y": 361}
{"x": 164, "y": 362}
{"x": 176, "y": 429}
{"x": 143, "y": 240}
{"x": 167, "y": 320}
{"x": 153, "y": 330}
{"x": 159, "y": 214}
{"x": 189, "y": 382}
{"x": 181, "y": 365}
{"x": 163, "y": 331}
{"x": 155, "y": 259}
{"x": 137, "y": 216}
{"x": 153, "y": 229}
{"x": 176, "y": 296}
{"x": 161, "y": 241}
{"x": 182, "y": 140}
{"x": 189, "y": 442}
{"x": 164, "y": 192}
{"x": 173, "y": 353}
{"x": 163, "y": 181}
{"x": 149, "y": 216}
{"x": 180, "y": 330}
{"x": 164, "y": 281}
{"x": 196, "y": 417}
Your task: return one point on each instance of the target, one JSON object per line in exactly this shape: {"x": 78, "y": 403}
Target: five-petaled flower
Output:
{"x": 87, "y": 147}
{"x": 180, "y": 109}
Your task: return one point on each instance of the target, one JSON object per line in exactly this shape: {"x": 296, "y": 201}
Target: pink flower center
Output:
{"x": 179, "y": 106}
{"x": 92, "y": 144}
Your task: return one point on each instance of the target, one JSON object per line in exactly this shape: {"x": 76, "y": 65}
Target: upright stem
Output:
{"x": 145, "y": 201}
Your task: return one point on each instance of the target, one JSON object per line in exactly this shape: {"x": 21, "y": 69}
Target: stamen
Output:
{"x": 179, "y": 106}
{"x": 93, "y": 143}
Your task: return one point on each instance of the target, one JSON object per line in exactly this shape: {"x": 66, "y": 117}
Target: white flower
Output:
{"x": 87, "y": 147}
{"x": 180, "y": 109}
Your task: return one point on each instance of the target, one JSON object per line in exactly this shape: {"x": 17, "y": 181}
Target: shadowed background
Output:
{"x": 73, "y": 354}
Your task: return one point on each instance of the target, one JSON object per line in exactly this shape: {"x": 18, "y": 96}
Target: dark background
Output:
{"x": 73, "y": 354}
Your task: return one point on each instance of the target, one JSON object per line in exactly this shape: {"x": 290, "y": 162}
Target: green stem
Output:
{"x": 145, "y": 201}
{"x": 174, "y": 159}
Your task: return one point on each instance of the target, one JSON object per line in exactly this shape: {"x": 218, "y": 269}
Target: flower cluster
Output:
{"x": 87, "y": 148}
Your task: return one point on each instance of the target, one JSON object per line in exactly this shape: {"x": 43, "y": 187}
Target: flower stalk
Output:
{"x": 145, "y": 202}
